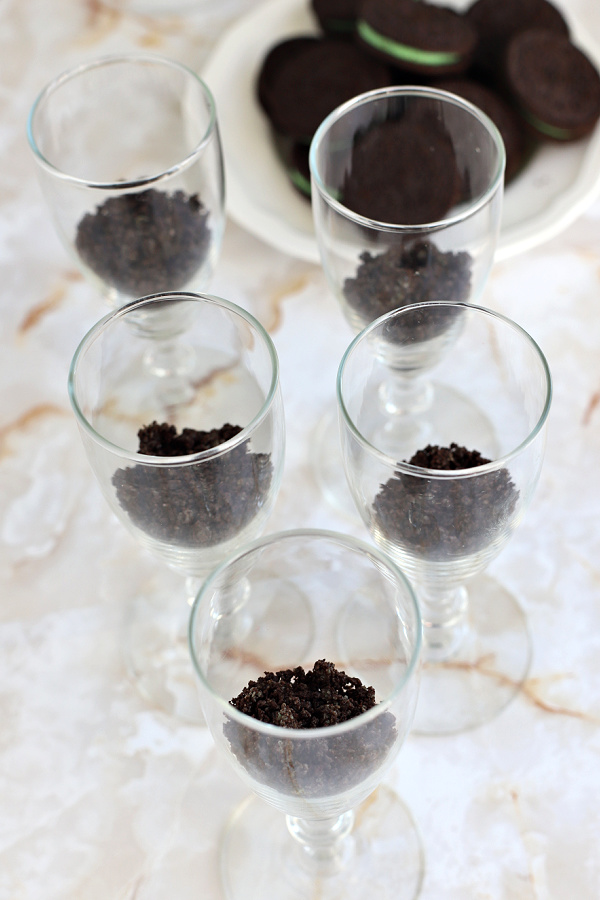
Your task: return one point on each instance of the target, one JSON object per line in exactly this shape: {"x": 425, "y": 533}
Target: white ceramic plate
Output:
{"x": 558, "y": 184}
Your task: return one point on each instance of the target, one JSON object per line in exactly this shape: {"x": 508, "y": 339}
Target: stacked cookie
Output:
{"x": 514, "y": 59}
{"x": 301, "y": 81}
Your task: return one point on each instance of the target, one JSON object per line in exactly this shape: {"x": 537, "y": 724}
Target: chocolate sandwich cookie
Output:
{"x": 497, "y": 21}
{"x": 549, "y": 16}
{"x": 294, "y": 157}
{"x": 506, "y": 120}
{"x": 336, "y": 17}
{"x": 278, "y": 55}
{"x": 555, "y": 86}
{"x": 310, "y": 82}
{"x": 403, "y": 172}
{"x": 416, "y": 36}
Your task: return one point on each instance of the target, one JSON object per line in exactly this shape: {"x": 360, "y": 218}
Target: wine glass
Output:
{"x": 322, "y": 606}
{"x": 446, "y": 504}
{"x": 219, "y": 416}
{"x": 407, "y": 188}
{"x": 129, "y": 161}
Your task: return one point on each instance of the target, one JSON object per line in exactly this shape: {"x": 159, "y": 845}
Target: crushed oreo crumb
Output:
{"x": 294, "y": 698}
{"x": 299, "y": 699}
{"x": 194, "y": 505}
{"x": 445, "y": 518}
{"x": 410, "y": 272}
{"x": 147, "y": 242}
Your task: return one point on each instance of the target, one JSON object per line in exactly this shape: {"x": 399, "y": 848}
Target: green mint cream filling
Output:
{"x": 302, "y": 183}
{"x": 343, "y": 26}
{"x": 552, "y": 131}
{"x": 402, "y": 51}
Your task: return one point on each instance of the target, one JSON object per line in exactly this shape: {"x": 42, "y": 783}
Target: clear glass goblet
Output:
{"x": 445, "y": 508}
{"x": 129, "y": 160}
{"x": 407, "y": 188}
{"x": 321, "y": 824}
{"x": 192, "y": 509}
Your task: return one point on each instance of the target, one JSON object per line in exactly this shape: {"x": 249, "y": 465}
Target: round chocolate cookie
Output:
{"x": 506, "y": 120}
{"x": 304, "y": 86}
{"x": 279, "y": 55}
{"x": 416, "y": 36}
{"x": 497, "y": 21}
{"x": 549, "y": 16}
{"x": 294, "y": 157}
{"x": 298, "y": 169}
{"x": 403, "y": 172}
{"x": 555, "y": 86}
{"x": 336, "y": 17}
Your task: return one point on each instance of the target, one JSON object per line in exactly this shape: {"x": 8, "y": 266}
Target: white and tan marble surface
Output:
{"x": 105, "y": 798}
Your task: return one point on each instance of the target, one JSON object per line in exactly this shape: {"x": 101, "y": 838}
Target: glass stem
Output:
{"x": 445, "y": 621}
{"x": 172, "y": 363}
{"x": 402, "y": 394}
{"x": 322, "y": 842}
{"x": 233, "y": 625}
{"x": 192, "y": 585}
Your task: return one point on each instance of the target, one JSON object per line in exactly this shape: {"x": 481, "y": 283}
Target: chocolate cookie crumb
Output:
{"x": 299, "y": 699}
{"x": 442, "y": 519}
{"x": 145, "y": 243}
{"x": 194, "y": 505}
{"x": 163, "y": 439}
{"x": 294, "y": 698}
{"x": 410, "y": 272}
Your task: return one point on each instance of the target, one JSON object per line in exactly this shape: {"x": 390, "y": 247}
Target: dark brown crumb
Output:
{"x": 296, "y": 699}
{"x": 193, "y": 505}
{"x": 411, "y": 272}
{"x": 447, "y": 458}
{"x": 147, "y": 242}
{"x": 445, "y": 518}
{"x": 163, "y": 440}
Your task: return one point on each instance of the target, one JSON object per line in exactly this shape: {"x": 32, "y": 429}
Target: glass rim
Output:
{"x": 471, "y": 209}
{"x": 104, "y": 61}
{"x": 443, "y": 474}
{"x": 190, "y": 458}
{"x": 349, "y": 542}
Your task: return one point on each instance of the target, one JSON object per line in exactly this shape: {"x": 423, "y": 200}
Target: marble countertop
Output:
{"x": 103, "y": 797}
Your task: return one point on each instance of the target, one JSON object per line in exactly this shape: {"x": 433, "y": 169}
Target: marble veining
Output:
{"x": 103, "y": 797}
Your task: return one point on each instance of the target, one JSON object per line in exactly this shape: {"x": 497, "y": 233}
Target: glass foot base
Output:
{"x": 384, "y": 857}
{"x": 328, "y": 466}
{"x": 487, "y": 670}
{"x": 449, "y": 417}
{"x": 156, "y": 640}
{"x": 156, "y": 651}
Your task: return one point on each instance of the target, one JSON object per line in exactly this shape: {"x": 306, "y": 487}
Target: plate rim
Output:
{"x": 279, "y": 233}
